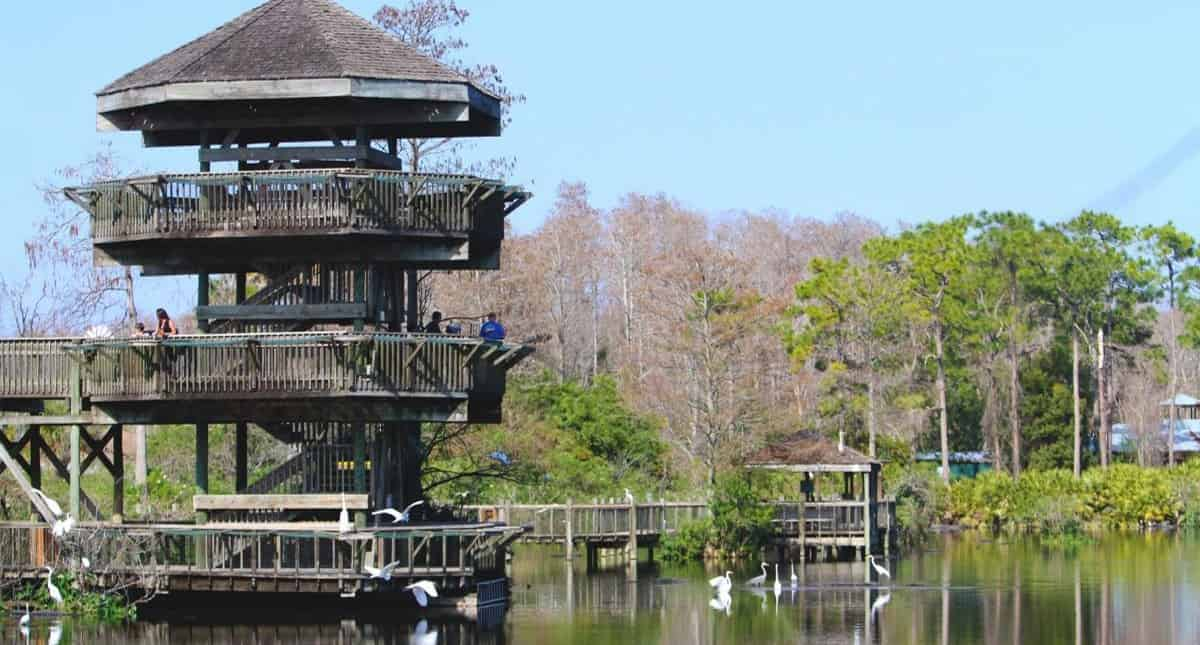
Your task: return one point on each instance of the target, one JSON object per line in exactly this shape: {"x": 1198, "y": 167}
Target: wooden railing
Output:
{"x": 157, "y": 552}
{"x": 300, "y": 201}
{"x": 325, "y": 363}
{"x": 549, "y": 522}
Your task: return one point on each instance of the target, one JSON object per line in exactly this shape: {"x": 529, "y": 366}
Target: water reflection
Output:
{"x": 1130, "y": 590}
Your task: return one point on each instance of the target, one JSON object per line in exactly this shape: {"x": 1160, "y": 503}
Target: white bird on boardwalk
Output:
{"x": 422, "y": 634}
{"x": 722, "y": 583}
{"x": 62, "y": 527}
{"x": 383, "y": 574}
{"x": 422, "y": 590}
{"x": 758, "y": 581}
{"x": 778, "y": 585}
{"x": 24, "y": 622}
{"x": 51, "y": 504}
{"x": 344, "y": 524}
{"x": 55, "y": 594}
{"x": 629, "y": 496}
{"x": 399, "y": 516}
{"x": 880, "y": 571}
{"x": 795, "y": 580}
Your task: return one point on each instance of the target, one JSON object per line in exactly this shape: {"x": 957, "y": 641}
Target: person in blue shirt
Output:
{"x": 492, "y": 330}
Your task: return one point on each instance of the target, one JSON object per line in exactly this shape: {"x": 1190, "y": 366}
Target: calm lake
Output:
{"x": 960, "y": 590}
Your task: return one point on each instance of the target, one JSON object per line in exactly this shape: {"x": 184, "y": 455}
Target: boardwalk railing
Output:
{"x": 601, "y": 522}
{"x": 290, "y": 201}
{"x": 214, "y": 366}
{"x": 177, "y": 556}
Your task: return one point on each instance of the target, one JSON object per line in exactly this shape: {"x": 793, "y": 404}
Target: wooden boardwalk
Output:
{"x": 263, "y": 558}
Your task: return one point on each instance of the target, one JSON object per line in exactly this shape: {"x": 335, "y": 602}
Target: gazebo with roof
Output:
{"x": 849, "y": 520}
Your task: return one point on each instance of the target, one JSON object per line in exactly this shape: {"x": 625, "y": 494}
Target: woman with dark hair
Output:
{"x": 166, "y": 326}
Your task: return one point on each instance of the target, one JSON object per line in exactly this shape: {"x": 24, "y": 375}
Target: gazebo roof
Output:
{"x": 809, "y": 451}
{"x": 286, "y": 40}
{"x": 1182, "y": 401}
{"x": 312, "y": 51}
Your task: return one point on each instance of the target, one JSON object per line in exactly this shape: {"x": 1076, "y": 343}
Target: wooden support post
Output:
{"x": 74, "y": 469}
{"x": 202, "y": 298}
{"x": 239, "y": 288}
{"x": 359, "y": 438}
{"x": 868, "y": 510}
{"x": 240, "y": 449}
{"x": 363, "y": 139}
{"x": 570, "y": 532}
{"x": 202, "y": 458}
{"x": 412, "y": 315}
{"x": 632, "y": 546}
{"x": 13, "y": 467}
{"x": 35, "y": 460}
{"x": 118, "y": 473}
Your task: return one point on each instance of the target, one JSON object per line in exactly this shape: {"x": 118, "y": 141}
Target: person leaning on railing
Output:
{"x": 492, "y": 330}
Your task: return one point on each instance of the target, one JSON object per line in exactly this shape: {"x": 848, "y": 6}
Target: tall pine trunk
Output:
{"x": 1102, "y": 398}
{"x": 1014, "y": 384}
{"x": 1075, "y": 397}
{"x": 941, "y": 394}
{"x": 871, "y": 414}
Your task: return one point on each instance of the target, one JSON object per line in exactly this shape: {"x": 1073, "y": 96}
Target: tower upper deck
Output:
{"x": 291, "y": 71}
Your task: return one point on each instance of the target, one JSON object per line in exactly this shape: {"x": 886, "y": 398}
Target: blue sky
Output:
{"x": 896, "y": 111}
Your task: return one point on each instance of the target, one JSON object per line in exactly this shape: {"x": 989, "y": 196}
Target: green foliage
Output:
{"x": 78, "y": 599}
{"x": 921, "y": 498}
{"x": 689, "y": 543}
{"x": 741, "y": 523}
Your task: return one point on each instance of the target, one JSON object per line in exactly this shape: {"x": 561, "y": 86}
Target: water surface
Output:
{"x": 960, "y": 590}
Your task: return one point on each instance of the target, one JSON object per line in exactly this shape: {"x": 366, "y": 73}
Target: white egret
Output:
{"x": 422, "y": 590}
{"x": 879, "y": 603}
{"x": 778, "y": 585}
{"x": 62, "y": 527}
{"x": 758, "y": 581}
{"x": 55, "y": 594}
{"x": 344, "y": 525}
{"x": 422, "y": 635}
{"x": 51, "y": 504}
{"x": 24, "y": 622}
{"x": 628, "y": 496}
{"x": 384, "y": 573}
{"x": 879, "y": 571}
{"x": 87, "y": 564}
{"x": 722, "y": 583}
{"x": 399, "y": 516}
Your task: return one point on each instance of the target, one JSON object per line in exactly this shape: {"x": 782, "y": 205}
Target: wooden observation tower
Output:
{"x": 297, "y": 109}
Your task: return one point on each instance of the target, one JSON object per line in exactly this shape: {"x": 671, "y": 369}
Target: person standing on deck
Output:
{"x": 492, "y": 330}
{"x": 166, "y": 326}
{"x": 435, "y": 324}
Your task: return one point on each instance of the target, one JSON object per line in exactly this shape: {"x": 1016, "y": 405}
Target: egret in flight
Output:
{"x": 758, "y": 581}
{"x": 722, "y": 583}
{"x": 399, "y": 516}
{"x": 879, "y": 571}
{"x": 55, "y": 594}
{"x": 422, "y": 590}
{"x": 384, "y": 573}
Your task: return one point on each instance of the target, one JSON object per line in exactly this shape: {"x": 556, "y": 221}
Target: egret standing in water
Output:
{"x": 722, "y": 583}
{"x": 55, "y": 594}
{"x": 399, "y": 516}
{"x": 758, "y": 581}
{"x": 879, "y": 571}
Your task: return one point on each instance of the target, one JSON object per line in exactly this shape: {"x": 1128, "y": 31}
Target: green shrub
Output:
{"x": 741, "y": 523}
{"x": 921, "y": 499}
{"x": 688, "y": 543}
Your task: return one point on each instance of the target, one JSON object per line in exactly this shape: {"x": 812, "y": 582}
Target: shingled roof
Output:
{"x": 290, "y": 40}
{"x": 808, "y": 449}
